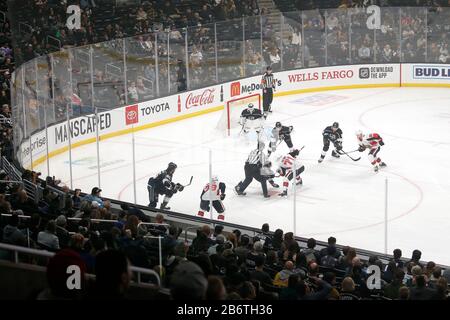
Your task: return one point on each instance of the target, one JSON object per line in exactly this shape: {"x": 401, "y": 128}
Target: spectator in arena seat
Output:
{"x": 11, "y": 232}
{"x": 329, "y": 260}
{"x": 330, "y": 278}
{"x": 259, "y": 273}
{"x": 47, "y": 237}
{"x": 58, "y": 277}
{"x": 24, "y": 203}
{"x": 61, "y": 231}
{"x": 441, "y": 290}
{"x": 397, "y": 253}
{"x": 247, "y": 291}
{"x": 282, "y": 277}
{"x": 133, "y": 95}
{"x": 218, "y": 229}
{"x": 434, "y": 277}
{"x": 420, "y": 291}
{"x": 403, "y": 293}
{"x": 321, "y": 293}
{"x": 220, "y": 240}
{"x": 348, "y": 290}
{"x": 188, "y": 280}
{"x": 389, "y": 274}
{"x": 113, "y": 276}
{"x": 202, "y": 241}
{"x": 331, "y": 243}
{"x": 392, "y": 289}
{"x": 258, "y": 250}
{"x": 429, "y": 268}
{"x": 290, "y": 292}
{"x": 310, "y": 252}
{"x": 242, "y": 249}
{"x": 95, "y": 196}
{"x": 216, "y": 290}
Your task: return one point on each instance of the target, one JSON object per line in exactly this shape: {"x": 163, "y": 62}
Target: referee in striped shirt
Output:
{"x": 268, "y": 86}
{"x": 252, "y": 169}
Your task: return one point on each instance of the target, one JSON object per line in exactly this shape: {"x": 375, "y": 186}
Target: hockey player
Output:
{"x": 373, "y": 142}
{"x": 288, "y": 162}
{"x": 280, "y": 133}
{"x": 331, "y": 134}
{"x": 162, "y": 185}
{"x": 251, "y": 118}
{"x": 213, "y": 192}
{"x": 269, "y": 174}
{"x": 252, "y": 170}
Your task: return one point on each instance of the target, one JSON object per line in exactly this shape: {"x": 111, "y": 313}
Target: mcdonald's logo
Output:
{"x": 235, "y": 89}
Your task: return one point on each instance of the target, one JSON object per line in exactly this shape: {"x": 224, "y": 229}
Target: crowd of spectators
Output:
{"x": 215, "y": 265}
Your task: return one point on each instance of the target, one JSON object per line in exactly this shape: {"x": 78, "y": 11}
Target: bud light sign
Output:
{"x": 432, "y": 72}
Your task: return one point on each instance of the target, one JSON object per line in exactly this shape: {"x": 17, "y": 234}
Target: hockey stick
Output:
{"x": 343, "y": 152}
{"x": 190, "y": 181}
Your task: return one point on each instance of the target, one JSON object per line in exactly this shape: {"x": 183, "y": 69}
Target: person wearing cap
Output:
{"x": 188, "y": 281}
{"x": 268, "y": 86}
{"x": 94, "y": 197}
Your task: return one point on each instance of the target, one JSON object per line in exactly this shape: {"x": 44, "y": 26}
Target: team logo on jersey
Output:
{"x": 235, "y": 88}
{"x": 197, "y": 100}
{"x": 364, "y": 73}
{"x": 131, "y": 114}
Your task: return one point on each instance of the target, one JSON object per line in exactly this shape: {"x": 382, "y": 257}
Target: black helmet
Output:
{"x": 278, "y": 124}
{"x": 269, "y": 68}
{"x": 250, "y": 105}
{"x": 295, "y": 152}
{"x": 171, "y": 166}
{"x": 336, "y": 125}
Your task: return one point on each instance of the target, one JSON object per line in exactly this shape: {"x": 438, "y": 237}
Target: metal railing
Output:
{"x": 47, "y": 254}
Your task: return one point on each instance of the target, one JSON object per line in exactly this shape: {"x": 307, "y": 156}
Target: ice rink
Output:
{"x": 340, "y": 197}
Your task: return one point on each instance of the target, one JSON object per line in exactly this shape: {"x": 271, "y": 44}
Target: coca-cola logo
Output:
{"x": 197, "y": 100}
{"x": 131, "y": 114}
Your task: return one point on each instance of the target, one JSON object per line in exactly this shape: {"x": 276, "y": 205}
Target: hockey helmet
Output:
{"x": 250, "y": 105}
{"x": 278, "y": 124}
{"x": 359, "y": 134}
{"x": 214, "y": 178}
{"x": 336, "y": 125}
{"x": 269, "y": 68}
{"x": 295, "y": 152}
{"x": 171, "y": 166}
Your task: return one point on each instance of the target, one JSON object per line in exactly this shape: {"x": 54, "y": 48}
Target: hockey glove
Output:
{"x": 338, "y": 145}
{"x": 381, "y": 143}
{"x": 179, "y": 187}
{"x": 222, "y": 196}
{"x": 361, "y": 148}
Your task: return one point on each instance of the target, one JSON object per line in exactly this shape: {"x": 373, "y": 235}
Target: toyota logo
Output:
{"x": 131, "y": 115}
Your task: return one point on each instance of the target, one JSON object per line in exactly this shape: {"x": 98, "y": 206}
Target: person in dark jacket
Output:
{"x": 420, "y": 291}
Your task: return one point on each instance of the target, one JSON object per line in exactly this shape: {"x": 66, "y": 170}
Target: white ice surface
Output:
{"x": 340, "y": 197}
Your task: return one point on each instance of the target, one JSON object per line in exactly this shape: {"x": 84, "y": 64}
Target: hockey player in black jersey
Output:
{"x": 280, "y": 133}
{"x": 162, "y": 185}
{"x": 331, "y": 134}
{"x": 251, "y": 118}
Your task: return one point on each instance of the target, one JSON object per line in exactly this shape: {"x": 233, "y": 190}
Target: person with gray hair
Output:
{"x": 258, "y": 250}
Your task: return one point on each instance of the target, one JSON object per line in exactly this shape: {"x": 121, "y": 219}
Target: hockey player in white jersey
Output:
{"x": 251, "y": 118}
{"x": 373, "y": 142}
{"x": 286, "y": 170}
{"x": 213, "y": 192}
{"x": 280, "y": 133}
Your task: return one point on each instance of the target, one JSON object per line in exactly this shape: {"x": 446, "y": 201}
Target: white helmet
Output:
{"x": 359, "y": 133}
{"x": 214, "y": 178}
{"x": 250, "y": 105}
